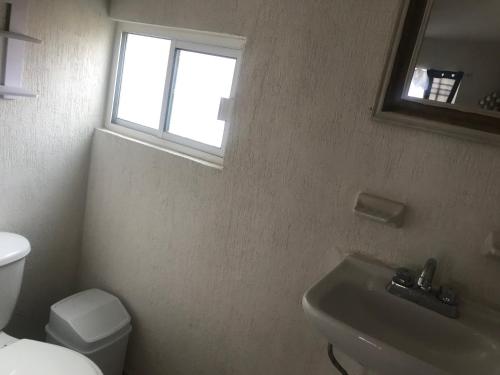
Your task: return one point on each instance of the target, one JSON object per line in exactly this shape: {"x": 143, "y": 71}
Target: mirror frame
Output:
{"x": 393, "y": 108}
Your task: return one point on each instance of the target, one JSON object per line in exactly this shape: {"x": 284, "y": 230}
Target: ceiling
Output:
{"x": 465, "y": 20}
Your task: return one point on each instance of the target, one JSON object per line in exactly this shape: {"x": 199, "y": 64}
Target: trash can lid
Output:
{"x": 92, "y": 315}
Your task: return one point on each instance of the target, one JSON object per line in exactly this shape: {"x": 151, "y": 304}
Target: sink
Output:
{"x": 385, "y": 333}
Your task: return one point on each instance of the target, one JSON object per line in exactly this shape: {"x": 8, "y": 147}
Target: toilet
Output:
{"x": 21, "y": 356}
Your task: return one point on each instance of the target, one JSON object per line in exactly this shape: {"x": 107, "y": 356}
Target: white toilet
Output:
{"x": 28, "y": 357}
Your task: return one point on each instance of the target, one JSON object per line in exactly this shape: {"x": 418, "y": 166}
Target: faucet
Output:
{"x": 425, "y": 279}
{"x": 442, "y": 300}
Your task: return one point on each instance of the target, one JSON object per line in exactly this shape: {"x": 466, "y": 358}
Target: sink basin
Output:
{"x": 387, "y": 334}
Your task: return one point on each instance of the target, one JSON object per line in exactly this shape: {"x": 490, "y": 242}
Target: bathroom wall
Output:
{"x": 45, "y": 148}
{"x": 212, "y": 264}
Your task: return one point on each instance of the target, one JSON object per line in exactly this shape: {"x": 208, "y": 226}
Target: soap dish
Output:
{"x": 380, "y": 209}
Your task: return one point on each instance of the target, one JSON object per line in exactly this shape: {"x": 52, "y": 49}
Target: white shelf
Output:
{"x": 18, "y": 36}
{"x": 13, "y": 66}
{"x": 16, "y": 91}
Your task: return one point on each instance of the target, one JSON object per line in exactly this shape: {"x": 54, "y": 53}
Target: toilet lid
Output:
{"x": 27, "y": 357}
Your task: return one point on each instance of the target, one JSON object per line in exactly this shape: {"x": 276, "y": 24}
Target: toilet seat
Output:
{"x": 27, "y": 357}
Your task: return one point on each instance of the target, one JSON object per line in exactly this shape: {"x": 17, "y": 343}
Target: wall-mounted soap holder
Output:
{"x": 381, "y": 210}
{"x": 14, "y": 53}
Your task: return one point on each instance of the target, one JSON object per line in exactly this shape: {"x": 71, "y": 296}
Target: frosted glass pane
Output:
{"x": 143, "y": 80}
{"x": 200, "y": 83}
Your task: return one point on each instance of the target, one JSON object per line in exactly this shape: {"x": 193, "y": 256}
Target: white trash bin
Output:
{"x": 95, "y": 324}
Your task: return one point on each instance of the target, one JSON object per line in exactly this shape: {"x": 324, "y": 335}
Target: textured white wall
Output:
{"x": 213, "y": 264}
{"x": 45, "y": 147}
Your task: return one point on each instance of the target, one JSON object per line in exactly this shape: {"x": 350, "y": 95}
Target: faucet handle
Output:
{"x": 404, "y": 277}
{"x": 448, "y": 296}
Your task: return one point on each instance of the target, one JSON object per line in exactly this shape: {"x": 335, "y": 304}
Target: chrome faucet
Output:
{"x": 427, "y": 275}
{"x": 442, "y": 300}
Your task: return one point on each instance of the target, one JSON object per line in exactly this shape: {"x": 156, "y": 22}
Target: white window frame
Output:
{"x": 183, "y": 39}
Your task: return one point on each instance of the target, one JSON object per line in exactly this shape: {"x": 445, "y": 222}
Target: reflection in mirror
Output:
{"x": 458, "y": 63}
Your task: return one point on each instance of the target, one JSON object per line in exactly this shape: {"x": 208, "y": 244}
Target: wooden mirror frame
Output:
{"x": 391, "y": 105}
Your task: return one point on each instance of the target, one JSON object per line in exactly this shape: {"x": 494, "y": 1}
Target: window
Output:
{"x": 419, "y": 83}
{"x": 443, "y": 85}
{"x": 437, "y": 85}
{"x": 175, "y": 88}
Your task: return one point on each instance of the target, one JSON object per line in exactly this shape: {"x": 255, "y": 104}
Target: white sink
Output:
{"x": 392, "y": 336}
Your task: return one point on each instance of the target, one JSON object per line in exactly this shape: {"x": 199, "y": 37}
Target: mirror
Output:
{"x": 444, "y": 74}
{"x": 4, "y": 14}
{"x": 459, "y": 59}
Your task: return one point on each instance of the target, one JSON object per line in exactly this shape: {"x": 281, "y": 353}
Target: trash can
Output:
{"x": 95, "y": 324}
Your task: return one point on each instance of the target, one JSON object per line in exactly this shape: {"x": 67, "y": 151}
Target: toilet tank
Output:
{"x": 13, "y": 251}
